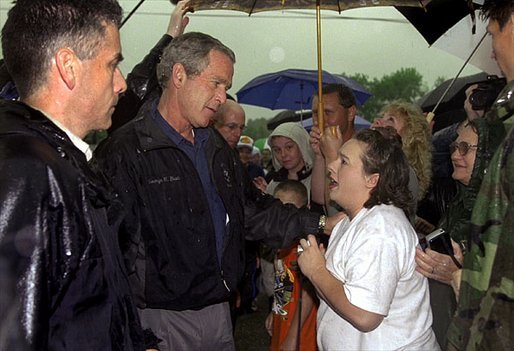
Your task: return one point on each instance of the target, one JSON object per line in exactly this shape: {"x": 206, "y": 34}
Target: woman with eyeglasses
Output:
{"x": 470, "y": 155}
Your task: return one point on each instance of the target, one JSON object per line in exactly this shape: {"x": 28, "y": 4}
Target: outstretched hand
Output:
{"x": 260, "y": 183}
{"x": 178, "y": 19}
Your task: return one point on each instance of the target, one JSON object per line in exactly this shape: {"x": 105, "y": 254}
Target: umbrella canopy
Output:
{"x": 468, "y": 40}
{"x": 455, "y": 97}
{"x": 252, "y": 6}
{"x": 292, "y": 89}
{"x": 460, "y": 41}
{"x": 305, "y": 117}
{"x": 437, "y": 17}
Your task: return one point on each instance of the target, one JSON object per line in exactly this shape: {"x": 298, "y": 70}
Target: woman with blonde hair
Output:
{"x": 411, "y": 125}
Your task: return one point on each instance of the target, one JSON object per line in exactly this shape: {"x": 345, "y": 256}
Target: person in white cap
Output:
{"x": 245, "y": 148}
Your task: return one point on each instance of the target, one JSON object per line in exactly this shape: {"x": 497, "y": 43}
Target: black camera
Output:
{"x": 483, "y": 96}
{"x": 439, "y": 240}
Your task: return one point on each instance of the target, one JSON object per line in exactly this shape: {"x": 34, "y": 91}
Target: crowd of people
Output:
{"x": 152, "y": 239}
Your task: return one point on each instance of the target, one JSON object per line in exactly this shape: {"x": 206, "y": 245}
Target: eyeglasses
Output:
{"x": 462, "y": 146}
{"x": 234, "y": 126}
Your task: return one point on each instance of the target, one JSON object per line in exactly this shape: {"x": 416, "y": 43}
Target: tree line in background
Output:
{"x": 404, "y": 84}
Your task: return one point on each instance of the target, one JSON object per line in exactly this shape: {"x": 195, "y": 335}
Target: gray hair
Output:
{"x": 192, "y": 51}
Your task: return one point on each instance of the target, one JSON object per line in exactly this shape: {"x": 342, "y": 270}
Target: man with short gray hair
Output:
{"x": 188, "y": 203}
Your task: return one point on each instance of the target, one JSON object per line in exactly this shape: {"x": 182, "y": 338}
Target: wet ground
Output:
{"x": 250, "y": 334}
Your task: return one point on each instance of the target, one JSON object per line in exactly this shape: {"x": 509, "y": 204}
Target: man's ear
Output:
{"x": 178, "y": 75}
{"x": 372, "y": 180}
{"x": 67, "y": 65}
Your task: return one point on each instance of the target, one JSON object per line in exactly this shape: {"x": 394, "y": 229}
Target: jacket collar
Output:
{"x": 151, "y": 136}
{"x": 20, "y": 118}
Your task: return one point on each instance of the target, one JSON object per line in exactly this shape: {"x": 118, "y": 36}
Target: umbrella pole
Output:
{"x": 301, "y": 104}
{"x": 430, "y": 115}
{"x": 131, "y": 13}
{"x": 320, "y": 70}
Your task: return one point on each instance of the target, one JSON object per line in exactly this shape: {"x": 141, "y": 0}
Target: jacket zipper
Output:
{"x": 224, "y": 281}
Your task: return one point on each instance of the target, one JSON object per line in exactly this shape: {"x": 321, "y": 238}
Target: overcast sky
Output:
{"x": 372, "y": 41}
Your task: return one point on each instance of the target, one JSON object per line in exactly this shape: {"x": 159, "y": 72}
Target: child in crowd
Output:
{"x": 295, "y": 305}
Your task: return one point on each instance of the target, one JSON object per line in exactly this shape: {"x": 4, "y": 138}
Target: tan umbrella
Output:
{"x": 254, "y": 6}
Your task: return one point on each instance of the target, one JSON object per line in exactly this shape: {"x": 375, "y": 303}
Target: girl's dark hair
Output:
{"x": 384, "y": 155}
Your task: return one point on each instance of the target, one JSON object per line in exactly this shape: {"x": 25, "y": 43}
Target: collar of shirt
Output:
{"x": 79, "y": 143}
{"x": 200, "y": 134}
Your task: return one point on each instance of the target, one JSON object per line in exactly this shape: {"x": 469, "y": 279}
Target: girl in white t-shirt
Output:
{"x": 371, "y": 295}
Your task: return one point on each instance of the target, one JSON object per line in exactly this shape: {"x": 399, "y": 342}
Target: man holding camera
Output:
{"x": 486, "y": 308}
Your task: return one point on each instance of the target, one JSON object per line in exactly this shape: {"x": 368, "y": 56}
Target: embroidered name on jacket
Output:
{"x": 165, "y": 179}
{"x": 226, "y": 176}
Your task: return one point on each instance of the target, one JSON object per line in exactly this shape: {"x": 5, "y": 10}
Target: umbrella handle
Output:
{"x": 430, "y": 116}
{"x": 321, "y": 120}
{"x": 321, "y": 124}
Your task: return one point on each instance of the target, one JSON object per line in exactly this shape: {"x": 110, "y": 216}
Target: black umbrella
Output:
{"x": 454, "y": 98}
{"x": 437, "y": 17}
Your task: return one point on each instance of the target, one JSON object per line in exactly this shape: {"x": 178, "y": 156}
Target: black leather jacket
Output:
{"x": 168, "y": 235}
{"x": 63, "y": 284}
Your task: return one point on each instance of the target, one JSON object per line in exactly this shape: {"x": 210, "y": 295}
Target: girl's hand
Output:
{"x": 311, "y": 258}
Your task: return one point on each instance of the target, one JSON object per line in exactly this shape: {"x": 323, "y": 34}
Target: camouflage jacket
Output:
{"x": 485, "y": 314}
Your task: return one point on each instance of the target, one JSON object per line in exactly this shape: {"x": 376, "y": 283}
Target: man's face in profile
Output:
{"x": 503, "y": 46}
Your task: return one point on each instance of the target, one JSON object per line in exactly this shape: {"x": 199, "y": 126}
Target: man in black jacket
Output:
{"x": 63, "y": 283}
{"x": 188, "y": 202}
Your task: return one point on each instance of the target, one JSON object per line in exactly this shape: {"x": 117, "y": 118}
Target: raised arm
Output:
{"x": 142, "y": 83}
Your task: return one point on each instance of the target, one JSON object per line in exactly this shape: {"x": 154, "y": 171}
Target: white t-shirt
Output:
{"x": 373, "y": 255}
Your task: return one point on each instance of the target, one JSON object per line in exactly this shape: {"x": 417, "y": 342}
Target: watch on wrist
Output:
{"x": 321, "y": 224}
